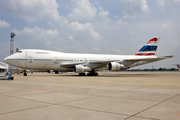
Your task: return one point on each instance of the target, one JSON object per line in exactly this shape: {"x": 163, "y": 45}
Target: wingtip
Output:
{"x": 170, "y": 56}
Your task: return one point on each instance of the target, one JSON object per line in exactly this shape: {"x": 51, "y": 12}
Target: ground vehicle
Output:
{"x": 7, "y": 76}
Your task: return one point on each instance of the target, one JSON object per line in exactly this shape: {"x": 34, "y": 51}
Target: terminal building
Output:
{"x": 3, "y": 67}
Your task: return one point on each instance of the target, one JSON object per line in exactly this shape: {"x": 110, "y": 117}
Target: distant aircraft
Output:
{"x": 178, "y": 65}
{"x": 45, "y": 60}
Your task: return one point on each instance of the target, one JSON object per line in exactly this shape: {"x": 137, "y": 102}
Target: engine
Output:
{"x": 114, "y": 66}
{"x": 81, "y": 69}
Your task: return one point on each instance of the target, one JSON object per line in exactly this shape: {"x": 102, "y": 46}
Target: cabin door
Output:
{"x": 29, "y": 59}
{"x": 86, "y": 61}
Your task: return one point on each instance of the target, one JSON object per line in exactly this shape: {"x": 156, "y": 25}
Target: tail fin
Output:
{"x": 178, "y": 66}
{"x": 149, "y": 48}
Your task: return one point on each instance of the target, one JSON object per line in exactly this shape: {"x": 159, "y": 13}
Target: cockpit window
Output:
{"x": 19, "y": 51}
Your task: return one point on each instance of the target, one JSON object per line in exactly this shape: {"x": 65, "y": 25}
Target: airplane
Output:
{"x": 178, "y": 66}
{"x": 46, "y": 60}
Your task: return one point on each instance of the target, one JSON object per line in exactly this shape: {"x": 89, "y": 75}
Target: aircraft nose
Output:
{"x": 5, "y": 60}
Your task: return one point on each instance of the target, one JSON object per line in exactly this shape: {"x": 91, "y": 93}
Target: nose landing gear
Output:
{"x": 24, "y": 73}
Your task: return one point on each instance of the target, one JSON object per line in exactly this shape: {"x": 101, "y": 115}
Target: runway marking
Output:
{"x": 31, "y": 90}
{"x": 111, "y": 84}
{"x": 61, "y": 104}
{"x": 24, "y": 109}
{"x": 152, "y": 106}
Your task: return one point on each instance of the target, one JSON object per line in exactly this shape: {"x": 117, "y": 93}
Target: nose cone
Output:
{"x": 9, "y": 60}
{"x": 5, "y": 60}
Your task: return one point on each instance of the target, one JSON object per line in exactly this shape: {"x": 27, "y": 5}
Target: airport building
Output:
{"x": 3, "y": 67}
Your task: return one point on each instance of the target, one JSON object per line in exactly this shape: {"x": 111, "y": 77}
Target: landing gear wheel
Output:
{"x": 88, "y": 74}
{"x": 96, "y": 74}
{"x": 92, "y": 73}
{"x": 25, "y": 74}
{"x": 56, "y": 72}
{"x": 82, "y": 74}
{"x": 12, "y": 78}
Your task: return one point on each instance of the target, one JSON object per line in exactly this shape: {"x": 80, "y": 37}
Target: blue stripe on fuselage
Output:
{"x": 148, "y": 48}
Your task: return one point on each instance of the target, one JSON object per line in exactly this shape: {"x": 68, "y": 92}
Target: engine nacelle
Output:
{"x": 81, "y": 69}
{"x": 114, "y": 66}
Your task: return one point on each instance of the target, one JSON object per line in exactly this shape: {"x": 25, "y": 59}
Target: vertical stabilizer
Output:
{"x": 149, "y": 48}
{"x": 178, "y": 65}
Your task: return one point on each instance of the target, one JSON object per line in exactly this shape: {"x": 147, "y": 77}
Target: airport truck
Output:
{"x": 7, "y": 76}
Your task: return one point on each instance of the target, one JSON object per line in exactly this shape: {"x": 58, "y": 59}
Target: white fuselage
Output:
{"x": 51, "y": 60}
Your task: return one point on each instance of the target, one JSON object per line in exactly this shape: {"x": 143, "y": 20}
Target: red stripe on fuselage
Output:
{"x": 144, "y": 54}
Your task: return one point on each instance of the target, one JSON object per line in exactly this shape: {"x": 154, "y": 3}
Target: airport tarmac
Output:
{"x": 109, "y": 96}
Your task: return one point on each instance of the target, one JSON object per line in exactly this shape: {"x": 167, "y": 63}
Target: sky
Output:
{"x": 119, "y": 27}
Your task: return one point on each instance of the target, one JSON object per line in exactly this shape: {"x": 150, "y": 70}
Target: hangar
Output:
{"x": 3, "y": 67}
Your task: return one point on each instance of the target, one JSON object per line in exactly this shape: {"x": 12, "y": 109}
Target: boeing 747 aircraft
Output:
{"x": 45, "y": 60}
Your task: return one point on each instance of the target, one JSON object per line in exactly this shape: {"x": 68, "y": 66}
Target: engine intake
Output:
{"x": 114, "y": 66}
{"x": 81, "y": 69}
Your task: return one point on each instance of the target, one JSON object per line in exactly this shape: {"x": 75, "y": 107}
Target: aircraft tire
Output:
{"x": 96, "y": 74}
{"x": 56, "y": 72}
{"x": 92, "y": 74}
{"x": 25, "y": 74}
{"x": 89, "y": 74}
{"x": 12, "y": 78}
{"x": 82, "y": 74}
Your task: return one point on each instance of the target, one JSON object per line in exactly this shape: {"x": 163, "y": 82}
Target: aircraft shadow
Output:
{"x": 117, "y": 75}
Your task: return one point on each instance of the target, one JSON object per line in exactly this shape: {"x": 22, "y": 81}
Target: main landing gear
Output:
{"x": 82, "y": 74}
{"x": 91, "y": 73}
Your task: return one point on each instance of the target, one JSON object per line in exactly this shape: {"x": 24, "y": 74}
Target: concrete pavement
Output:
{"x": 110, "y": 96}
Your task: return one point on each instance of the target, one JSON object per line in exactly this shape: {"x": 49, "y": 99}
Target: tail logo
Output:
{"x": 153, "y": 40}
{"x": 149, "y": 48}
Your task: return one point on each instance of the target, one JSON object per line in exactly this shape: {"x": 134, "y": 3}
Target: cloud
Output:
{"x": 31, "y": 9}
{"x": 83, "y": 10}
{"x": 116, "y": 51}
{"x": 162, "y": 3}
{"x": 37, "y": 32}
{"x": 70, "y": 37}
{"x": 104, "y": 14}
{"x": 47, "y": 43}
{"x": 135, "y": 7}
{"x": 85, "y": 29}
{"x": 4, "y": 49}
{"x": 4, "y": 24}
{"x": 121, "y": 22}
{"x": 96, "y": 49}
{"x": 132, "y": 32}
{"x": 169, "y": 46}
{"x": 165, "y": 25}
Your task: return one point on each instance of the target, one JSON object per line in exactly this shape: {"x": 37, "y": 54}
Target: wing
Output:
{"x": 127, "y": 62}
{"x": 94, "y": 64}
{"x": 137, "y": 62}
